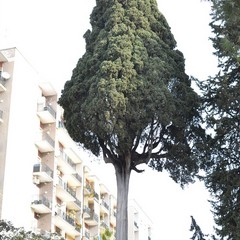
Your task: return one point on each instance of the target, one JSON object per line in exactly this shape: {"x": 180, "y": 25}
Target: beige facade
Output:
{"x": 139, "y": 224}
{"x": 46, "y": 184}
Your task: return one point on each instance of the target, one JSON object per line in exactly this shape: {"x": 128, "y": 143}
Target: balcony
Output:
{"x": 86, "y": 234}
{"x": 65, "y": 164}
{"x": 103, "y": 189}
{"x": 96, "y": 196}
{"x": 104, "y": 225}
{"x": 92, "y": 220}
{"x": 76, "y": 205}
{"x": 66, "y": 222}
{"x": 74, "y": 154}
{"x": 47, "y": 89}
{"x": 88, "y": 189}
{"x": 1, "y": 116}
{"x": 6, "y": 55}
{"x": 93, "y": 197}
{"x": 2, "y": 85}
{"x": 46, "y": 114}
{"x": 65, "y": 193}
{"x": 42, "y": 173}
{"x": 113, "y": 218}
{"x": 67, "y": 142}
{"x": 45, "y": 143}
{"x": 41, "y": 204}
{"x": 86, "y": 212}
{"x": 74, "y": 180}
{"x": 63, "y": 136}
{"x": 104, "y": 207}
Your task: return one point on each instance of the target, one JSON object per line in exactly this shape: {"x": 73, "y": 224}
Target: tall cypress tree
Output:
{"x": 129, "y": 97}
{"x": 222, "y": 111}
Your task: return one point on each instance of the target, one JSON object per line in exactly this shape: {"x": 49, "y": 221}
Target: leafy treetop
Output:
{"x": 221, "y": 109}
{"x": 129, "y": 95}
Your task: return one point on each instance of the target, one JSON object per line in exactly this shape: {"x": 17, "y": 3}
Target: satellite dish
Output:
{"x": 6, "y": 75}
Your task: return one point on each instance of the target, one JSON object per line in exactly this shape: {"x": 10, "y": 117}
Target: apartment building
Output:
{"x": 140, "y": 225}
{"x": 46, "y": 184}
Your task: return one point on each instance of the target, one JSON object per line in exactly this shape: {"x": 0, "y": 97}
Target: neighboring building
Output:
{"x": 139, "y": 224}
{"x": 19, "y": 128}
{"x": 46, "y": 184}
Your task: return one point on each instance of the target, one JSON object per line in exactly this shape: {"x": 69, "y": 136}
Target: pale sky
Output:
{"x": 49, "y": 33}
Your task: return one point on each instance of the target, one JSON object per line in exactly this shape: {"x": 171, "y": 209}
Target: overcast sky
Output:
{"x": 49, "y": 33}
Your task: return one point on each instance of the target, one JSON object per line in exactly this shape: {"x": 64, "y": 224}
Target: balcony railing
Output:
{"x": 46, "y": 137}
{"x": 105, "y": 205}
{"x": 41, "y": 204}
{"x": 66, "y": 217}
{"x": 44, "y": 142}
{"x": 78, "y": 202}
{"x": 113, "y": 213}
{"x": 67, "y": 159}
{"x": 87, "y": 210}
{"x": 74, "y": 180}
{"x": 46, "y": 113}
{"x": 51, "y": 110}
{"x": 96, "y": 196}
{"x": 69, "y": 219}
{"x": 72, "y": 192}
{"x": 41, "y": 167}
{"x": 2, "y": 85}
{"x": 2, "y": 81}
{"x": 78, "y": 228}
{"x": 78, "y": 177}
{"x": 41, "y": 199}
{"x": 87, "y": 234}
{"x": 104, "y": 225}
{"x": 61, "y": 124}
{"x": 65, "y": 187}
{"x": 89, "y": 188}
{"x": 93, "y": 216}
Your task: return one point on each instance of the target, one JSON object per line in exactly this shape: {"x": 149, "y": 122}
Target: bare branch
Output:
{"x": 137, "y": 170}
{"x": 150, "y": 135}
{"x": 108, "y": 156}
{"x": 136, "y": 144}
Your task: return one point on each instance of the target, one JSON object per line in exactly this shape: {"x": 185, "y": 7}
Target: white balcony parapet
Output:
{"x": 41, "y": 204}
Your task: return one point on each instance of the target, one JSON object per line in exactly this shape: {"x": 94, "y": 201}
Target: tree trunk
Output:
{"x": 122, "y": 177}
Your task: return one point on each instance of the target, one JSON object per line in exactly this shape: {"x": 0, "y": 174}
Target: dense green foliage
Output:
{"x": 130, "y": 99}
{"x": 197, "y": 231}
{"x": 9, "y": 232}
{"x": 129, "y": 95}
{"x": 221, "y": 160}
{"x": 106, "y": 234}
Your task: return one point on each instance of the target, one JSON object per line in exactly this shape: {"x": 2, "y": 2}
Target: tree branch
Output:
{"x": 137, "y": 170}
{"x": 108, "y": 156}
{"x": 136, "y": 144}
